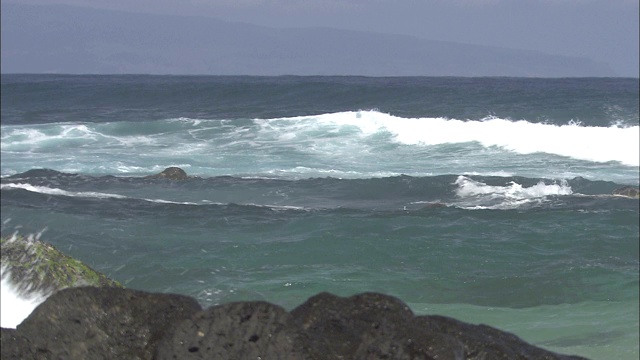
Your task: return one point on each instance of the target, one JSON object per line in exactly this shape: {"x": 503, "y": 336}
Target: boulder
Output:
{"x": 628, "y": 191}
{"x": 171, "y": 173}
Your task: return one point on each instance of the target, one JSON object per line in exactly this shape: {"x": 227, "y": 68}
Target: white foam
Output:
{"x": 14, "y": 307}
{"x": 598, "y": 144}
{"x": 34, "y": 135}
{"x": 40, "y": 137}
{"x": 353, "y": 144}
{"x": 478, "y": 195}
{"x": 469, "y": 187}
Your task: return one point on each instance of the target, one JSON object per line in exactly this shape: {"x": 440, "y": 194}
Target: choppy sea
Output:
{"x": 485, "y": 199}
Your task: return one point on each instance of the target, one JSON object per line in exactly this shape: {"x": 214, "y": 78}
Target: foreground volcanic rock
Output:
{"x": 115, "y": 323}
{"x": 99, "y": 323}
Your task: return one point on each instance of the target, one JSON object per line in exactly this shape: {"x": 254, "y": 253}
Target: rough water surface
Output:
{"x": 492, "y": 200}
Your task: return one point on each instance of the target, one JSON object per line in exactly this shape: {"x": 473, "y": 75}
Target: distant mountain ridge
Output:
{"x": 76, "y": 40}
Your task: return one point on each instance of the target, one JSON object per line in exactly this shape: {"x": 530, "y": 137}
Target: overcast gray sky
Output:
{"x": 603, "y": 30}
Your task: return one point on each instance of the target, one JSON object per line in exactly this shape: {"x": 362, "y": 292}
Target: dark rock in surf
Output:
{"x": 104, "y": 323}
{"x": 377, "y": 326}
{"x": 628, "y": 191}
{"x": 365, "y": 326}
{"x": 171, "y": 173}
{"x": 453, "y": 339}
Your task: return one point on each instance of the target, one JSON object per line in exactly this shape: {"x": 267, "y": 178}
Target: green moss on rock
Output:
{"x": 35, "y": 266}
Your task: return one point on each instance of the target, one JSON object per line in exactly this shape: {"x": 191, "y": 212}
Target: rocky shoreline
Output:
{"x": 117, "y": 323}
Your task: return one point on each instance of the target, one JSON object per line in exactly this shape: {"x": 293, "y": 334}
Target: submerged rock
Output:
{"x": 628, "y": 191}
{"x": 105, "y": 323}
{"x": 34, "y": 266}
{"x": 171, "y": 173}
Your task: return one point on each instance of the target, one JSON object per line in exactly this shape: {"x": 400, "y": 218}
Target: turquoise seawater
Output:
{"x": 484, "y": 199}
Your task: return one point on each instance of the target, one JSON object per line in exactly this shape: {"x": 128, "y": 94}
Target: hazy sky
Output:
{"x": 603, "y": 30}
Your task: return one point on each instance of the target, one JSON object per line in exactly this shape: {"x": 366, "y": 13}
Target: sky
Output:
{"x": 602, "y": 30}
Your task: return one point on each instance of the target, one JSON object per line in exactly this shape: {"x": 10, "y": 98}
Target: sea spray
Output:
{"x": 16, "y": 307}
{"x": 32, "y": 270}
{"x": 19, "y": 298}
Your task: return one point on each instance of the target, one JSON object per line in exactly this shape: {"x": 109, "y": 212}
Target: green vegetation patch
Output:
{"x": 35, "y": 266}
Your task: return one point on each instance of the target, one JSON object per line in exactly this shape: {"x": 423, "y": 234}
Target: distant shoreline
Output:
{"x": 202, "y": 45}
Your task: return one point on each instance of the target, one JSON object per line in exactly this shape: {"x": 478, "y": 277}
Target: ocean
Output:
{"x": 485, "y": 199}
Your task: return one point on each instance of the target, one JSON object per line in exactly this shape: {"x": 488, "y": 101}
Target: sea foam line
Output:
{"x": 90, "y": 194}
{"x": 56, "y": 191}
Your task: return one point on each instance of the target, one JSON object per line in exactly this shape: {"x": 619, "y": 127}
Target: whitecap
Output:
{"x": 474, "y": 194}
